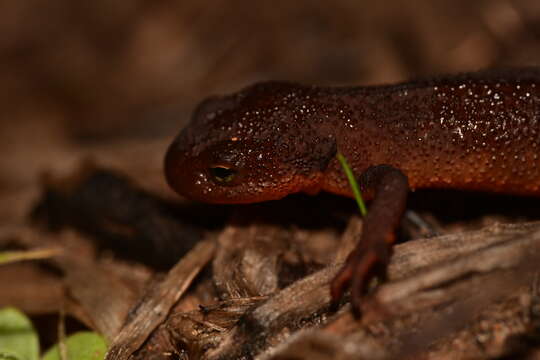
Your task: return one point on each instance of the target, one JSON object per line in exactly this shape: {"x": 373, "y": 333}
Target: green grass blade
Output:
{"x": 7, "y": 257}
{"x": 353, "y": 183}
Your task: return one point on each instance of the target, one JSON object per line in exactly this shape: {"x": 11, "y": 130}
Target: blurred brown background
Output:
{"x": 115, "y": 80}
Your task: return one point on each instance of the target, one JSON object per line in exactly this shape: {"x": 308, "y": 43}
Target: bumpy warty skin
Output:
{"x": 476, "y": 131}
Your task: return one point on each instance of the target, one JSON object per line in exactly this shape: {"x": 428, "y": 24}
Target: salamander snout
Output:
{"x": 233, "y": 171}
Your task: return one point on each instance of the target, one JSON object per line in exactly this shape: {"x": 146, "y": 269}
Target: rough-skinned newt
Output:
{"x": 475, "y": 131}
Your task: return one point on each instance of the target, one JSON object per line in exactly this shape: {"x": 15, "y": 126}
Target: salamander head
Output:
{"x": 255, "y": 145}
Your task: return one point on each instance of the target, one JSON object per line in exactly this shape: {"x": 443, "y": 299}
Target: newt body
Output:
{"x": 474, "y": 131}
{"x": 477, "y": 131}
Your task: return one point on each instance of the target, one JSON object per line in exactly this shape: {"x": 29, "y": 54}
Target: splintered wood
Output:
{"x": 470, "y": 293}
{"x": 473, "y": 294}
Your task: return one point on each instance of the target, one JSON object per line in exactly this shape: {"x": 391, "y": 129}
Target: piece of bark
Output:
{"x": 461, "y": 288}
{"x": 414, "y": 255}
{"x": 318, "y": 345}
{"x": 505, "y": 329}
{"x": 302, "y": 303}
{"x": 427, "y": 288}
{"x": 307, "y": 300}
{"x": 247, "y": 259}
{"x": 502, "y": 326}
{"x": 266, "y": 247}
{"x": 155, "y": 305}
{"x": 196, "y": 331}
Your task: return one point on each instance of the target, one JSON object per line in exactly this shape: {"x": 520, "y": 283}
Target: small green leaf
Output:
{"x": 353, "y": 183}
{"x": 18, "y": 339}
{"x": 6, "y": 356}
{"x": 84, "y": 345}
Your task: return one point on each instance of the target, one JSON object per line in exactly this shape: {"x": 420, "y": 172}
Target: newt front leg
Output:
{"x": 388, "y": 187}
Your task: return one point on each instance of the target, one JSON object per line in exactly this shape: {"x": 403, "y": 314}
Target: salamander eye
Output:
{"x": 222, "y": 174}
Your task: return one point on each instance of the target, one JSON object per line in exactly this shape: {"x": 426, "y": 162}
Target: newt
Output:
{"x": 474, "y": 131}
